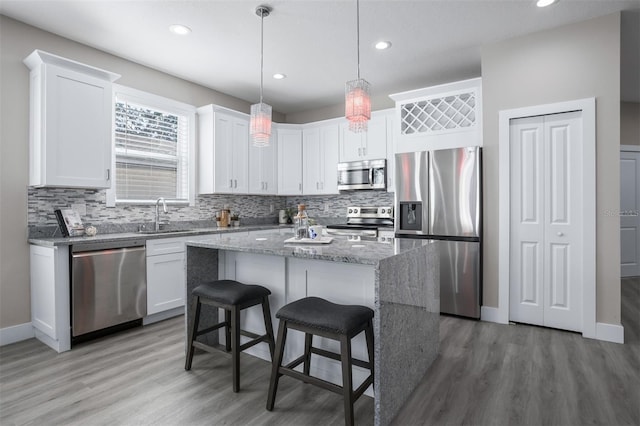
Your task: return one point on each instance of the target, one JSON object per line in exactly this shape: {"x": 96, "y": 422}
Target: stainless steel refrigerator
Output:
{"x": 439, "y": 197}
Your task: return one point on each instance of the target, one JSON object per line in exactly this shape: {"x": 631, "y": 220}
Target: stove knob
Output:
{"x": 355, "y": 210}
{"x": 382, "y": 211}
{"x": 350, "y": 211}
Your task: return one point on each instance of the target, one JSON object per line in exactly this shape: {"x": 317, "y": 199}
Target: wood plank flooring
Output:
{"x": 486, "y": 374}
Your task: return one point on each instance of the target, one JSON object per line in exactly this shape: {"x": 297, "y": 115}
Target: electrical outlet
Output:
{"x": 326, "y": 207}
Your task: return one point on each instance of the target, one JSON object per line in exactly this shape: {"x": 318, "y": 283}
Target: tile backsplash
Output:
{"x": 255, "y": 209}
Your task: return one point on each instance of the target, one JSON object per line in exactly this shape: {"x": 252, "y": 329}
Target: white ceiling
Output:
{"x": 313, "y": 42}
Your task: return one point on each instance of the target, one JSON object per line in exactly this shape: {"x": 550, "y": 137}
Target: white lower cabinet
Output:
{"x": 50, "y": 296}
{"x": 165, "y": 282}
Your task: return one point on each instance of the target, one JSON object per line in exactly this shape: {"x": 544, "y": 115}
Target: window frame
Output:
{"x": 153, "y": 101}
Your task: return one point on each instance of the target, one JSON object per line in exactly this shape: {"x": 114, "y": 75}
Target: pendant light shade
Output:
{"x": 260, "y": 125}
{"x": 357, "y": 92}
{"x": 357, "y": 104}
{"x": 260, "y": 122}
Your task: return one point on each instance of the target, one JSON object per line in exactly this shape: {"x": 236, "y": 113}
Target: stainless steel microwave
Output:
{"x": 359, "y": 175}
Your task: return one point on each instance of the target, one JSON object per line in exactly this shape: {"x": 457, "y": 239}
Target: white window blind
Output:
{"x": 153, "y": 140}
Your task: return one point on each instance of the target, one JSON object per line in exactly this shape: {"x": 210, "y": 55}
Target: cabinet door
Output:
{"x": 329, "y": 147}
{"x": 289, "y": 162}
{"x": 165, "y": 282}
{"x": 263, "y": 168}
{"x": 375, "y": 139}
{"x": 350, "y": 144}
{"x": 312, "y": 163}
{"x": 222, "y": 153}
{"x": 76, "y": 121}
{"x": 239, "y": 149}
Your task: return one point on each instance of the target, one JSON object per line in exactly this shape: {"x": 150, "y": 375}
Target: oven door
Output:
{"x": 362, "y": 175}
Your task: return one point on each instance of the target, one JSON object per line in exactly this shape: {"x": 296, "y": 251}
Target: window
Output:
{"x": 154, "y": 141}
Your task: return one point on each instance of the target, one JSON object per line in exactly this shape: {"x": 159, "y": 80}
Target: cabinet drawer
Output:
{"x": 165, "y": 246}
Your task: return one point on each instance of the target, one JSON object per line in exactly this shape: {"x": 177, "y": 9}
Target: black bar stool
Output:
{"x": 316, "y": 316}
{"x": 233, "y": 297}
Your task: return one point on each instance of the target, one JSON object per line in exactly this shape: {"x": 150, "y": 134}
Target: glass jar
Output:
{"x": 301, "y": 223}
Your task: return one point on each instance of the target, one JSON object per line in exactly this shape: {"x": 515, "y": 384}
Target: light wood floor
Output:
{"x": 486, "y": 374}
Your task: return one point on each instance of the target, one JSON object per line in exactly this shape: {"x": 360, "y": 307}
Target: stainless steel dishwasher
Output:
{"x": 108, "y": 285}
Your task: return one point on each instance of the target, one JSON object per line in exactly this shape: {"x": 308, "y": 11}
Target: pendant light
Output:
{"x": 260, "y": 123}
{"x": 357, "y": 92}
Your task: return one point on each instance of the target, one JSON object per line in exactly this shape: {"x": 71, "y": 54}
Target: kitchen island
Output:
{"x": 398, "y": 280}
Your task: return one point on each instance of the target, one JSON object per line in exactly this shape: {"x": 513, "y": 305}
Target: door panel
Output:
{"x": 526, "y": 221}
{"x": 546, "y": 188}
{"x": 630, "y": 213}
{"x": 459, "y": 275}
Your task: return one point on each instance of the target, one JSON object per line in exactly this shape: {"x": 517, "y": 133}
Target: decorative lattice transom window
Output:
{"x": 439, "y": 114}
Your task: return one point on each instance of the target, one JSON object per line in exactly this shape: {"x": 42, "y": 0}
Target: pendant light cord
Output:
{"x": 358, "y": 34}
{"x": 261, "y": 51}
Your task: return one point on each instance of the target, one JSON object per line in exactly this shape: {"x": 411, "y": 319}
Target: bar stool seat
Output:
{"x": 316, "y": 316}
{"x": 231, "y": 296}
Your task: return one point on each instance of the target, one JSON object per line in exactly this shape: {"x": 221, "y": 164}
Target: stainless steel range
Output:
{"x": 366, "y": 223}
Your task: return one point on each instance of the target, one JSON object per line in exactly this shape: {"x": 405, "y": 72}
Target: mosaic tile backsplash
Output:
{"x": 252, "y": 209}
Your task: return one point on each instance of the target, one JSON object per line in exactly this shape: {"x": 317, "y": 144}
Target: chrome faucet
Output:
{"x": 164, "y": 207}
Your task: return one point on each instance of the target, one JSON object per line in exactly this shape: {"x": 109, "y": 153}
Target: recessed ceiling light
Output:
{"x": 179, "y": 29}
{"x": 545, "y": 3}
{"x": 279, "y": 76}
{"x": 381, "y": 45}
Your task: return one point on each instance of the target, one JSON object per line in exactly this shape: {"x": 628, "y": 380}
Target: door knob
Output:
{"x": 560, "y": 234}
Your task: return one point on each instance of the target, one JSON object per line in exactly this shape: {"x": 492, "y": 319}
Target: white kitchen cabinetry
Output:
{"x": 263, "y": 168}
{"x": 50, "y": 296}
{"x": 320, "y": 159}
{"x": 165, "y": 274}
{"x": 439, "y": 117}
{"x": 223, "y": 151}
{"x": 289, "y": 159}
{"x": 71, "y": 115}
{"x": 369, "y": 145}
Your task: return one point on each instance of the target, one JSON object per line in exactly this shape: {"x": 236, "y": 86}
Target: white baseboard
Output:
{"x": 161, "y": 316}
{"x": 16, "y": 333}
{"x": 490, "y": 314}
{"x": 610, "y": 332}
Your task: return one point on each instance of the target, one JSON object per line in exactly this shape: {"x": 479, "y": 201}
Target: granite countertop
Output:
{"x": 127, "y": 236}
{"x": 340, "y": 249}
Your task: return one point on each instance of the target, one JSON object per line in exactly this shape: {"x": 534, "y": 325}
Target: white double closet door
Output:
{"x": 546, "y": 220}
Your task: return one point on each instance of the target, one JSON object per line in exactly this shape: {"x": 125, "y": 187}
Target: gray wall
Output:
{"x": 572, "y": 62}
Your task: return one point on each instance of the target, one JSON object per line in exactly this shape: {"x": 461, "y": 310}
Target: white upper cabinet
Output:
{"x": 369, "y": 145}
{"x": 320, "y": 159}
{"x": 289, "y": 159}
{"x": 223, "y": 151}
{"x": 71, "y": 115}
{"x": 439, "y": 117}
{"x": 263, "y": 167}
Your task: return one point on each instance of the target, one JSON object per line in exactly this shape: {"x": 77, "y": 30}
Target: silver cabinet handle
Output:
{"x": 300, "y": 186}
{"x": 230, "y": 183}
{"x": 236, "y": 183}
{"x": 108, "y": 174}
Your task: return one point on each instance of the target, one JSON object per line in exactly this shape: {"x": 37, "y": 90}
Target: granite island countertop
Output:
{"x": 340, "y": 249}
